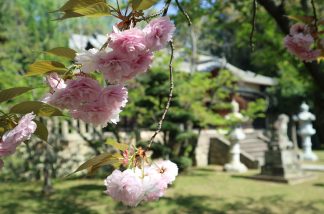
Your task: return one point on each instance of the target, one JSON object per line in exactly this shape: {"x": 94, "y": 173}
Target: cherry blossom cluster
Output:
{"x": 128, "y": 53}
{"x": 300, "y": 41}
{"x": 134, "y": 185}
{"x": 14, "y": 137}
{"x": 86, "y": 99}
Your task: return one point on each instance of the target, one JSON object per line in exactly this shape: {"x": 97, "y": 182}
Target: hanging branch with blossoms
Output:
{"x": 127, "y": 53}
{"x": 305, "y": 39}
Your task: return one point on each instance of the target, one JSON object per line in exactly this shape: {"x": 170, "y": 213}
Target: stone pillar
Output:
{"x": 65, "y": 129}
{"x": 82, "y": 126}
{"x": 306, "y": 130}
{"x": 235, "y": 164}
{"x": 236, "y": 135}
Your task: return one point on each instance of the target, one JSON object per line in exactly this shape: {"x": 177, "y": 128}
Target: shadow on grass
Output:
{"x": 273, "y": 204}
{"x": 77, "y": 199}
{"x": 180, "y": 204}
{"x": 88, "y": 187}
{"x": 200, "y": 172}
{"x": 319, "y": 184}
{"x": 60, "y": 202}
{"x": 206, "y": 205}
{"x": 205, "y": 169}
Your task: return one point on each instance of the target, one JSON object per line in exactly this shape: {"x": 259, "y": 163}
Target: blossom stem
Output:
{"x": 184, "y": 12}
{"x": 167, "y": 106}
{"x": 142, "y": 168}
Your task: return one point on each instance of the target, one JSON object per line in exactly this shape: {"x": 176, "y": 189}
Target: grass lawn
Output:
{"x": 205, "y": 190}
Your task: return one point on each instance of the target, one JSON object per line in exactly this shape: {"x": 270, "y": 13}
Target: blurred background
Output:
{"x": 216, "y": 75}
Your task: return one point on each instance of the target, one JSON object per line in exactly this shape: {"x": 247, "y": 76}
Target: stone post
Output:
{"x": 235, "y": 164}
{"x": 235, "y": 136}
{"x": 306, "y": 130}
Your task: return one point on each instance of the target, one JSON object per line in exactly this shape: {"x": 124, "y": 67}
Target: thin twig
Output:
{"x": 166, "y": 7}
{"x": 254, "y": 5}
{"x": 184, "y": 13}
{"x": 118, "y": 5}
{"x": 167, "y": 106}
{"x": 314, "y": 13}
{"x": 162, "y": 12}
{"x": 126, "y": 10}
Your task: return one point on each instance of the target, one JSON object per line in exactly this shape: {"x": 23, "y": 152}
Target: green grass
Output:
{"x": 206, "y": 190}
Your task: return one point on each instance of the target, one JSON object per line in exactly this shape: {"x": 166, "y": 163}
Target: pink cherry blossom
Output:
{"x": 141, "y": 63}
{"x": 125, "y": 187}
{"x": 76, "y": 93}
{"x": 118, "y": 67}
{"x": 298, "y": 28}
{"x": 13, "y": 138}
{"x": 153, "y": 184}
{"x": 115, "y": 66}
{"x": 88, "y": 60}
{"x": 95, "y": 114}
{"x": 167, "y": 169}
{"x": 158, "y": 32}
{"x": 300, "y": 46}
{"x": 128, "y": 42}
{"x": 23, "y": 131}
{"x": 84, "y": 89}
{"x": 7, "y": 148}
{"x": 114, "y": 96}
{"x": 135, "y": 185}
{"x": 54, "y": 81}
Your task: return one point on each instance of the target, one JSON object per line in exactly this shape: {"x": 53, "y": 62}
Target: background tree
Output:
{"x": 230, "y": 38}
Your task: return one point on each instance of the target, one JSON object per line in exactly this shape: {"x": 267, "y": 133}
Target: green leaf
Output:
{"x": 142, "y": 4}
{"x": 101, "y": 160}
{"x": 41, "y": 131}
{"x": 78, "y": 8}
{"x": 63, "y": 52}
{"x": 79, "y": 4}
{"x": 119, "y": 146}
{"x": 39, "y": 108}
{"x": 304, "y": 19}
{"x": 43, "y": 67}
{"x": 10, "y": 93}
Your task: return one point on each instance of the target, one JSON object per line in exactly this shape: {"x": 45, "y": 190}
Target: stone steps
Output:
{"x": 255, "y": 145}
{"x": 213, "y": 148}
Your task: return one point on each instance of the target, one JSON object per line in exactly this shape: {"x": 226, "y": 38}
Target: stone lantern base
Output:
{"x": 310, "y": 156}
{"x": 284, "y": 167}
{"x": 235, "y": 167}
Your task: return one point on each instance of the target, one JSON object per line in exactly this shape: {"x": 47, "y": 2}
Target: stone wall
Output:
{"x": 213, "y": 148}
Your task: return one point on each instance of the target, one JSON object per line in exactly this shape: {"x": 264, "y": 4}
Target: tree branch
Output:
{"x": 314, "y": 13}
{"x": 278, "y": 13}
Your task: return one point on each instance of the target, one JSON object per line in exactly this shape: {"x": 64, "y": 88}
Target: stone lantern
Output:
{"x": 235, "y": 136}
{"x": 305, "y": 131}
